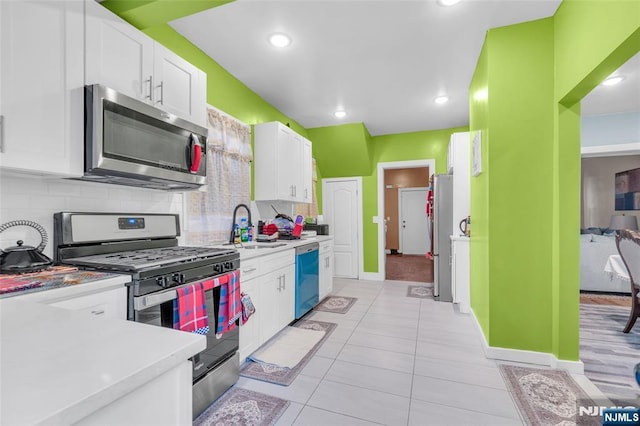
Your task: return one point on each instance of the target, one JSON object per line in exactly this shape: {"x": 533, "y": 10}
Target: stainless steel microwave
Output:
{"x": 130, "y": 142}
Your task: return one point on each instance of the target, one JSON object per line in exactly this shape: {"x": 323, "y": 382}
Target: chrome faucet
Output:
{"x": 233, "y": 221}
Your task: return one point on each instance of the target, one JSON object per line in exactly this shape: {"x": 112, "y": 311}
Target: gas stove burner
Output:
{"x": 148, "y": 258}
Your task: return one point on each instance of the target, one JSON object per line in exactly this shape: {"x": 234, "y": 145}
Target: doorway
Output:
{"x": 607, "y": 116}
{"x": 393, "y": 179}
{"x": 342, "y": 210}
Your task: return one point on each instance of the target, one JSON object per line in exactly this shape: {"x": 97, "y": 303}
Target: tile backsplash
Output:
{"x": 37, "y": 199}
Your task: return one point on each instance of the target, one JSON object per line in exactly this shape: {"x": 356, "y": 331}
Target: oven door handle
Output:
{"x": 150, "y": 300}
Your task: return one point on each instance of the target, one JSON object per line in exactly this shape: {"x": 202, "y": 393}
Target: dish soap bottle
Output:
{"x": 244, "y": 230}
{"x": 236, "y": 234}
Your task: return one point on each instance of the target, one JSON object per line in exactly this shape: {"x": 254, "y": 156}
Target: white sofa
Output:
{"x": 594, "y": 252}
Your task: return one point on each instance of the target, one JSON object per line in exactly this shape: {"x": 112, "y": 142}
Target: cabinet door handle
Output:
{"x": 97, "y": 312}
{"x": 1, "y": 133}
{"x": 280, "y": 283}
{"x": 246, "y": 271}
{"x": 284, "y": 282}
{"x": 306, "y": 193}
{"x": 161, "y": 86}
{"x": 150, "y": 81}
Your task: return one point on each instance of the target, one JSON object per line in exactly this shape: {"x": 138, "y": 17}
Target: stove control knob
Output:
{"x": 228, "y": 266}
{"x": 162, "y": 281}
{"x": 178, "y": 278}
{"x": 218, "y": 268}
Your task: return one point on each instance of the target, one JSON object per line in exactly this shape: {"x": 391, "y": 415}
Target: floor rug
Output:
{"x": 336, "y": 304}
{"x": 241, "y": 407}
{"x": 288, "y": 347}
{"x": 548, "y": 396}
{"x": 284, "y": 376}
{"x": 420, "y": 291}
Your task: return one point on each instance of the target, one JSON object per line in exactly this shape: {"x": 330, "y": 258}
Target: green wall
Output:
{"x": 525, "y": 249}
{"x": 343, "y": 150}
{"x": 510, "y": 249}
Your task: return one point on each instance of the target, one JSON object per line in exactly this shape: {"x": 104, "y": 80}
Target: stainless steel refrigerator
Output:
{"x": 442, "y": 228}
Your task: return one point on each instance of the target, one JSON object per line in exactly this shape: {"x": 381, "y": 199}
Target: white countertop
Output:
{"x": 459, "y": 238}
{"x": 45, "y": 295}
{"x": 275, "y": 247}
{"x": 58, "y": 366}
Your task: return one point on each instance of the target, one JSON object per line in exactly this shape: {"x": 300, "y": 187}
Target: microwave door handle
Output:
{"x": 196, "y": 154}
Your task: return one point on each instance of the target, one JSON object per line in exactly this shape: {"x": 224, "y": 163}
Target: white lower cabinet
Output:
{"x": 270, "y": 282}
{"x": 325, "y": 273}
{"x": 164, "y": 400}
{"x": 460, "y": 273}
{"x": 109, "y": 304}
{"x": 106, "y": 298}
{"x": 250, "y": 332}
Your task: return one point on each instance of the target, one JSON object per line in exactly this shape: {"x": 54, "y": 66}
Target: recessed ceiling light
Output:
{"x": 612, "y": 80}
{"x": 441, "y": 100}
{"x": 280, "y": 40}
{"x": 340, "y": 114}
{"x": 447, "y": 2}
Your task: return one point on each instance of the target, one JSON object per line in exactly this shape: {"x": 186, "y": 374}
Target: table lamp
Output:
{"x": 620, "y": 221}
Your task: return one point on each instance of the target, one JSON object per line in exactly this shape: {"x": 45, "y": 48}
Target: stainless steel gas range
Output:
{"x": 145, "y": 246}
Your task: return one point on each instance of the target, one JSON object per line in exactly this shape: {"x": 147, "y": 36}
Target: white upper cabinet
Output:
{"x": 307, "y": 172}
{"x": 180, "y": 88}
{"x": 41, "y": 81}
{"x": 282, "y": 164}
{"x": 117, "y": 55}
{"x": 122, "y": 58}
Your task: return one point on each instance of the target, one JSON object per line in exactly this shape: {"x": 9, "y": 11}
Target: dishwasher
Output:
{"x": 306, "y": 278}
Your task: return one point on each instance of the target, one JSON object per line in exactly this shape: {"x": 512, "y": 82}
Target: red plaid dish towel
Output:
{"x": 230, "y": 308}
{"x": 190, "y": 309}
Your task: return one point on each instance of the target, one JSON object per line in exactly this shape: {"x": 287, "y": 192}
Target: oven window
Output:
{"x": 159, "y": 315}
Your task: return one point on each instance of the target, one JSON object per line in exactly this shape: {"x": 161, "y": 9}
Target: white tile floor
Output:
{"x": 395, "y": 360}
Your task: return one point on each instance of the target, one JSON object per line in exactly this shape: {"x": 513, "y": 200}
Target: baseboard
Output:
{"x": 371, "y": 276}
{"x": 524, "y": 356}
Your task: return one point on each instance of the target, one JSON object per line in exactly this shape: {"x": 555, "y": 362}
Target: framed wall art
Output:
{"x": 627, "y": 190}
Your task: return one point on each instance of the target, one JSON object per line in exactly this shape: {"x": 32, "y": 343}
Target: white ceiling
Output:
{"x": 621, "y": 98}
{"x": 382, "y": 61}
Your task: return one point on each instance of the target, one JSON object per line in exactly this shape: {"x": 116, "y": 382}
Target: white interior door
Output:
{"x": 414, "y": 225}
{"x": 340, "y": 211}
